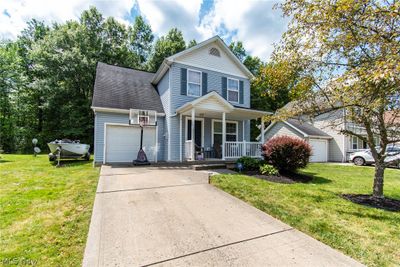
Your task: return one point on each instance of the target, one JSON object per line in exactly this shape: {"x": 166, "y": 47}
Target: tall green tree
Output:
{"x": 238, "y": 49}
{"x": 10, "y": 80}
{"x": 166, "y": 46}
{"x": 29, "y": 96}
{"x": 191, "y": 43}
{"x": 348, "y": 53}
{"x": 141, "y": 38}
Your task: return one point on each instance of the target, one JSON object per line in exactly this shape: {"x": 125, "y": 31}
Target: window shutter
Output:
{"x": 183, "y": 81}
{"x": 204, "y": 83}
{"x": 224, "y": 86}
{"x": 241, "y": 92}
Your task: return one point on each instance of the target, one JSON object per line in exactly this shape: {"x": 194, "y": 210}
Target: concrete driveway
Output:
{"x": 173, "y": 217}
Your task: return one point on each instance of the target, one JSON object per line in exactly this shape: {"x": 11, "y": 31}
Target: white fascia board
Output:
{"x": 118, "y": 110}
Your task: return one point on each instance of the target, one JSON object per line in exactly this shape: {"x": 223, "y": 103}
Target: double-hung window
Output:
{"x": 231, "y": 131}
{"x": 233, "y": 90}
{"x": 194, "y": 83}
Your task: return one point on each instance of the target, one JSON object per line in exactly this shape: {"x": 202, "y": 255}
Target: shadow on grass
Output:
{"x": 5, "y": 161}
{"x": 319, "y": 180}
{"x": 313, "y": 178}
{"x": 72, "y": 162}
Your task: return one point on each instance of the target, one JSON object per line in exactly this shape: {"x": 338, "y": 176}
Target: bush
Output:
{"x": 287, "y": 153}
{"x": 249, "y": 164}
{"x": 269, "y": 170}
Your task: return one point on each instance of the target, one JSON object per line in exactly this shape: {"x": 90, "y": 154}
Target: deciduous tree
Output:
{"x": 348, "y": 53}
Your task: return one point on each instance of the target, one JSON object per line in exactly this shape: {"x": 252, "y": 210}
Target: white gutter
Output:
{"x": 118, "y": 110}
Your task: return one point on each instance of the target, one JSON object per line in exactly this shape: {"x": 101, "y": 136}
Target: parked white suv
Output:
{"x": 365, "y": 157}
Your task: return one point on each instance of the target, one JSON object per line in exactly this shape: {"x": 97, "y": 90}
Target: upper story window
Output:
{"x": 214, "y": 52}
{"x": 194, "y": 83}
{"x": 233, "y": 90}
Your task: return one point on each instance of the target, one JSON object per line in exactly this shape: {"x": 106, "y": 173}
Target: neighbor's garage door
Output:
{"x": 320, "y": 150}
{"x": 123, "y": 143}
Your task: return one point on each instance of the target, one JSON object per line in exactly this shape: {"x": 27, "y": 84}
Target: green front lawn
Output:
{"x": 369, "y": 235}
{"x": 44, "y": 210}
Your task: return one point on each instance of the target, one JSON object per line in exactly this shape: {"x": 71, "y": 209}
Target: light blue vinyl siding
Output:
{"x": 165, "y": 95}
{"x": 214, "y": 83}
{"x": 173, "y": 94}
{"x": 102, "y": 117}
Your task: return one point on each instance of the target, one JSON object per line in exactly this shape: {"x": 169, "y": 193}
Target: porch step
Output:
{"x": 209, "y": 166}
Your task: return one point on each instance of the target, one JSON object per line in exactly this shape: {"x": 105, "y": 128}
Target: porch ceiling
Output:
{"x": 235, "y": 114}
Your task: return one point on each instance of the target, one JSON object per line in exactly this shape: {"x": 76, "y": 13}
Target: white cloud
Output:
{"x": 255, "y": 23}
{"x": 21, "y": 11}
{"x": 164, "y": 15}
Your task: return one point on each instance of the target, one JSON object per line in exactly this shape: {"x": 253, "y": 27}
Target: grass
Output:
{"x": 369, "y": 235}
{"x": 45, "y": 211}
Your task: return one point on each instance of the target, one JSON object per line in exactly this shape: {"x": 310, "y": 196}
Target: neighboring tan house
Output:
{"x": 205, "y": 83}
{"x": 326, "y": 140}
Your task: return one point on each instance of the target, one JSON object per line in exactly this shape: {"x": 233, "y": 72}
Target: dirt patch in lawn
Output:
{"x": 285, "y": 178}
{"x": 389, "y": 204}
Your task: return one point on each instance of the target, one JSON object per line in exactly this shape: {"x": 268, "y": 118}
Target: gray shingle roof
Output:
{"x": 307, "y": 128}
{"x": 123, "y": 88}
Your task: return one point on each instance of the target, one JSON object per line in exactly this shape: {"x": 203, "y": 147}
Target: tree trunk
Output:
{"x": 378, "y": 180}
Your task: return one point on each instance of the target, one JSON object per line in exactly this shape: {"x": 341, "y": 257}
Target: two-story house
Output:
{"x": 196, "y": 106}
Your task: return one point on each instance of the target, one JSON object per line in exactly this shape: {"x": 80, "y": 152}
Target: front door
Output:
{"x": 197, "y": 132}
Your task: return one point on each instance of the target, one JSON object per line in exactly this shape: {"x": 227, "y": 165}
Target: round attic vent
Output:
{"x": 215, "y": 52}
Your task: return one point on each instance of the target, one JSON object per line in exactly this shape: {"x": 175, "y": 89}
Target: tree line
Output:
{"x": 47, "y": 74}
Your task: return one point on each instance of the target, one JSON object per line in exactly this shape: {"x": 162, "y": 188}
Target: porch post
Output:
{"x": 262, "y": 130}
{"x": 243, "y": 139}
{"x": 244, "y": 148}
{"x": 180, "y": 137}
{"x": 193, "y": 134}
{"x": 223, "y": 134}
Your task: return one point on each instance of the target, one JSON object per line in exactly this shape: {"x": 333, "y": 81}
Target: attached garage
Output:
{"x": 320, "y": 150}
{"x": 122, "y": 143}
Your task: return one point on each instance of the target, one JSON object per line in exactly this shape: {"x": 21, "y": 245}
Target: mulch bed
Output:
{"x": 285, "y": 178}
{"x": 388, "y": 204}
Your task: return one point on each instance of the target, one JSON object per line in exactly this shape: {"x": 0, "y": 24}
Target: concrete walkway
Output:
{"x": 173, "y": 217}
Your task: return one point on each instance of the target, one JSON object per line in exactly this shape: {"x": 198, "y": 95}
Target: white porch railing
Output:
{"x": 188, "y": 149}
{"x": 239, "y": 149}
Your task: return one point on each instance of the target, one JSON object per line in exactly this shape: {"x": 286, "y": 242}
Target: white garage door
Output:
{"x": 319, "y": 150}
{"x": 123, "y": 143}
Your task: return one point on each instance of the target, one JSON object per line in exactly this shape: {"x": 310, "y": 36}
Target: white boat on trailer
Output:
{"x": 68, "y": 149}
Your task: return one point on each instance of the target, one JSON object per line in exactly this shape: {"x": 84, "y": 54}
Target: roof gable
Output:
{"x": 211, "y": 101}
{"x": 199, "y": 56}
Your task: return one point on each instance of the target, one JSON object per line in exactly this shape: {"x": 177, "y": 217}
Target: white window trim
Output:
{"x": 187, "y": 82}
{"x": 202, "y": 128}
{"x": 233, "y": 90}
{"x": 212, "y": 130}
{"x": 352, "y": 142}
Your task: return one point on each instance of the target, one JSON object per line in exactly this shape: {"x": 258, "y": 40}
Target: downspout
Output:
{"x": 169, "y": 117}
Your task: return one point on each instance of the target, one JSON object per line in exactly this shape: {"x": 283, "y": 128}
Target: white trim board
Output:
{"x": 187, "y": 118}
{"x": 118, "y": 110}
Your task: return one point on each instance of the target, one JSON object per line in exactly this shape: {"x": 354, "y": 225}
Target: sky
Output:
{"x": 254, "y": 22}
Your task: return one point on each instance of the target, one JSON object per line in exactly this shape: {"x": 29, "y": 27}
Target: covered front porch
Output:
{"x": 220, "y": 130}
